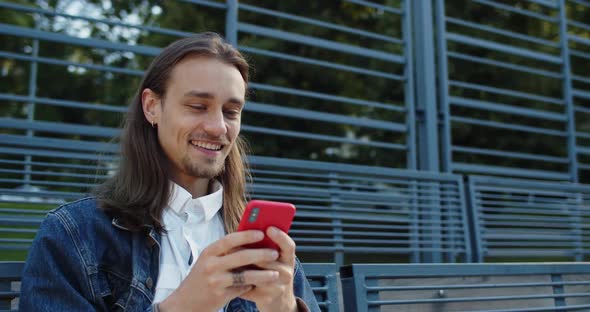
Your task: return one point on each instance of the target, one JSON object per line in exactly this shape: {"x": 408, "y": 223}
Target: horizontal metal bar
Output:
{"x": 583, "y": 150}
{"x": 548, "y": 3}
{"x": 327, "y": 64}
{"x": 54, "y": 174}
{"x": 585, "y": 3}
{"x": 579, "y": 39}
{"x": 213, "y": 4}
{"x": 507, "y": 92}
{"x": 325, "y": 117}
{"x": 63, "y": 103}
{"x": 581, "y": 79}
{"x": 474, "y": 286}
{"x": 510, "y": 66}
{"x": 464, "y": 269}
{"x": 319, "y": 23}
{"x": 580, "y": 109}
{"x": 525, "y": 197}
{"x": 535, "y": 187}
{"x": 26, "y": 32}
{"x": 510, "y": 171}
{"x": 581, "y": 94}
{"x": 577, "y": 24}
{"x": 52, "y": 165}
{"x": 406, "y": 183}
{"x": 490, "y": 152}
{"x": 517, "y": 10}
{"x": 321, "y": 137}
{"x": 377, "y": 6}
{"x": 507, "y": 109}
{"x": 320, "y": 43}
{"x": 500, "y": 125}
{"x": 46, "y": 60}
{"x": 580, "y": 54}
{"x": 59, "y": 195}
{"x": 328, "y": 97}
{"x": 481, "y": 43}
{"x": 337, "y": 168}
{"x": 536, "y": 207}
{"x": 79, "y": 185}
{"x": 58, "y": 154}
{"x": 58, "y": 144}
{"x": 502, "y": 32}
{"x": 478, "y": 299}
{"x": 55, "y": 127}
{"x": 152, "y": 29}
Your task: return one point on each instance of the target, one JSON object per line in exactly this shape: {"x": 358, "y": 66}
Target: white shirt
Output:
{"x": 192, "y": 224}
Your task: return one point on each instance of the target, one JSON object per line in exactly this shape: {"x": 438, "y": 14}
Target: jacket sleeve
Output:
{"x": 54, "y": 276}
{"x": 302, "y": 290}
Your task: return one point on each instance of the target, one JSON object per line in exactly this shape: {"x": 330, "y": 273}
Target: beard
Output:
{"x": 207, "y": 169}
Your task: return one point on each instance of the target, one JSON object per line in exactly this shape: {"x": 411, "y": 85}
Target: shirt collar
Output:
{"x": 181, "y": 200}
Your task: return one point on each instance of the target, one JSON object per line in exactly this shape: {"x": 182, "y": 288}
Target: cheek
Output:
{"x": 233, "y": 130}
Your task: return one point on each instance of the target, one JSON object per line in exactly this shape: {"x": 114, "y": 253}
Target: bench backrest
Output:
{"x": 466, "y": 287}
{"x": 523, "y": 219}
{"x": 325, "y": 283}
{"x": 10, "y": 276}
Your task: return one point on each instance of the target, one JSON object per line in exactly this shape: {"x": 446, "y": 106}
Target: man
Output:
{"x": 160, "y": 234}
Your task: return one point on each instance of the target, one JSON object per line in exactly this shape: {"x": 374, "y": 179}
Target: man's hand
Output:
{"x": 213, "y": 280}
{"x": 276, "y": 295}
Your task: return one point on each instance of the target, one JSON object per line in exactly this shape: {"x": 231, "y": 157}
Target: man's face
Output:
{"x": 198, "y": 120}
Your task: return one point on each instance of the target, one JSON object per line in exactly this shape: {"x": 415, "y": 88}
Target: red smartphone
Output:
{"x": 260, "y": 214}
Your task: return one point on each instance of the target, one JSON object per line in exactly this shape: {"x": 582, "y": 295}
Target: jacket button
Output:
{"x": 149, "y": 283}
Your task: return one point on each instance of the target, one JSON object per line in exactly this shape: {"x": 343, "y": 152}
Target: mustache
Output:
{"x": 215, "y": 140}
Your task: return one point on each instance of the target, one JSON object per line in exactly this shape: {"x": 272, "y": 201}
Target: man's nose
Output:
{"x": 215, "y": 124}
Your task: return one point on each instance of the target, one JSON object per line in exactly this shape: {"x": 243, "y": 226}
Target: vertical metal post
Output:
{"x": 426, "y": 106}
{"x": 231, "y": 22}
{"x": 567, "y": 93}
{"x": 443, "y": 85}
{"x": 414, "y": 222}
{"x": 409, "y": 86}
{"x": 336, "y": 221}
{"x": 31, "y": 104}
{"x": 558, "y": 290}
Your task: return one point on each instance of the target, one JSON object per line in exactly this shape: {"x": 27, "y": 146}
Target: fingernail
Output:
{"x": 273, "y": 230}
{"x": 258, "y": 235}
{"x": 274, "y": 254}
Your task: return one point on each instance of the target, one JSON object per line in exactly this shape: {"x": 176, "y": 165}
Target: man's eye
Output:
{"x": 232, "y": 113}
{"x": 198, "y": 107}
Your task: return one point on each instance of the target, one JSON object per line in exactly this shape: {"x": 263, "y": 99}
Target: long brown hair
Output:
{"x": 140, "y": 189}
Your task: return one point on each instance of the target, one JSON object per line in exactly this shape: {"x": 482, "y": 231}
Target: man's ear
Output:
{"x": 150, "y": 102}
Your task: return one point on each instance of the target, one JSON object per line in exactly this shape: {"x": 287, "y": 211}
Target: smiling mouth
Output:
{"x": 207, "y": 146}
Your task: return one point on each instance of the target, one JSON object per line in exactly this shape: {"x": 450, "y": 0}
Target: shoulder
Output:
{"x": 81, "y": 211}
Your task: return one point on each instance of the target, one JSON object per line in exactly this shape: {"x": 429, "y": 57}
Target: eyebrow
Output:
{"x": 209, "y": 96}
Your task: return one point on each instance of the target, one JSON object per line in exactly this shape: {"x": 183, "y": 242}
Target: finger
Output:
{"x": 286, "y": 244}
{"x": 238, "y": 291}
{"x": 234, "y": 240}
{"x": 284, "y": 270}
{"x": 246, "y": 256}
{"x": 251, "y": 278}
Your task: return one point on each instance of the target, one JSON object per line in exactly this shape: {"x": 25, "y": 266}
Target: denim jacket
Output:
{"x": 82, "y": 260}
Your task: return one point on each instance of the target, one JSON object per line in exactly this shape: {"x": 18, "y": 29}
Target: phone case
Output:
{"x": 260, "y": 214}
